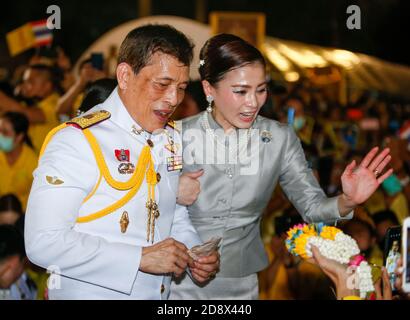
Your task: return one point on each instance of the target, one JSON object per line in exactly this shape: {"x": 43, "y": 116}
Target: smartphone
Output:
{"x": 291, "y": 116}
{"x": 392, "y": 253}
{"x": 406, "y": 255}
{"x": 97, "y": 60}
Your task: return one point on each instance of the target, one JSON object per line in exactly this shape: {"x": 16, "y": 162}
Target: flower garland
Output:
{"x": 333, "y": 244}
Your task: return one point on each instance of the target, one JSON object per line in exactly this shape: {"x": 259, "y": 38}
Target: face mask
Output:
{"x": 299, "y": 123}
{"x": 392, "y": 185}
{"x": 6, "y": 143}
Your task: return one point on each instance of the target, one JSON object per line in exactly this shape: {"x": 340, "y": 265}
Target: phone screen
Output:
{"x": 392, "y": 252}
{"x": 97, "y": 60}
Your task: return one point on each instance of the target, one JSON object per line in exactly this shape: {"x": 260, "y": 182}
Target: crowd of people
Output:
{"x": 46, "y": 92}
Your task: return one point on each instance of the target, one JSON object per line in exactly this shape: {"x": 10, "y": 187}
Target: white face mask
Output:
{"x": 6, "y": 143}
{"x": 299, "y": 123}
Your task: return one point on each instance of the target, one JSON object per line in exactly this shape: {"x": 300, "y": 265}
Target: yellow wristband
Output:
{"x": 351, "y": 298}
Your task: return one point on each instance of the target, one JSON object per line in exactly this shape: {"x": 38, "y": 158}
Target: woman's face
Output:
{"x": 239, "y": 96}
{"x": 8, "y": 136}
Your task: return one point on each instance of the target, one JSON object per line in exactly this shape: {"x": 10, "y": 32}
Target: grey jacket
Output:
{"x": 230, "y": 204}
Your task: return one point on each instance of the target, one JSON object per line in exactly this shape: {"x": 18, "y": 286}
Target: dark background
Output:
{"x": 384, "y": 33}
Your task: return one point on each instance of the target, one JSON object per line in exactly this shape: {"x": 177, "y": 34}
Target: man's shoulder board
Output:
{"x": 91, "y": 119}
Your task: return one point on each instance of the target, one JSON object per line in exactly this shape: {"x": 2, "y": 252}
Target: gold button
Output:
{"x": 158, "y": 177}
{"x": 162, "y": 288}
{"x": 150, "y": 143}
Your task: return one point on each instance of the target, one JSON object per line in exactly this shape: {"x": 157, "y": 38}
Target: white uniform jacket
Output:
{"x": 97, "y": 260}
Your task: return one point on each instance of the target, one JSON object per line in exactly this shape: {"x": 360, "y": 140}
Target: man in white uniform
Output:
{"x": 102, "y": 211}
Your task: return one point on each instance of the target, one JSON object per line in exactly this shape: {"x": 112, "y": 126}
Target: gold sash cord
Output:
{"x": 145, "y": 168}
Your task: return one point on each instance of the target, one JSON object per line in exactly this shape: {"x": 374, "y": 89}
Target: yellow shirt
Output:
{"x": 38, "y": 131}
{"x": 77, "y": 104}
{"x": 279, "y": 290}
{"x": 17, "y": 178}
{"x": 313, "y": 283}
{"x": 399, "y": 207}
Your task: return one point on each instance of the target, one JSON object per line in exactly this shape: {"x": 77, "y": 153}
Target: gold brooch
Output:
{"x": 124, "y": 221}
{"x": 54, "y": 180}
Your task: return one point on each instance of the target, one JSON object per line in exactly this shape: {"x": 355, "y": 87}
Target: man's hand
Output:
{"x": 89, "y": 74}
{"x": 167, "y": 256}
{"x": 205, "y": 268}
{"x": 189, "y": 187}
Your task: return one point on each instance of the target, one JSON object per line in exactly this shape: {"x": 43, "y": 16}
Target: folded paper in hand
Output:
{"x": 205, "y": 249}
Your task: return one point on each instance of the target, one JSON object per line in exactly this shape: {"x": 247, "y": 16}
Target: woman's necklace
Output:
{"x": 242, "y": 142}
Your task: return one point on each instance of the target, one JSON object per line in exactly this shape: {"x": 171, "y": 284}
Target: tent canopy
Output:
{"x": 291, "y": 58}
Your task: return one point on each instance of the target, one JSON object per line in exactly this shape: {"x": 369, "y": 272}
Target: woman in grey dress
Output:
{"x": 244, "y": 156}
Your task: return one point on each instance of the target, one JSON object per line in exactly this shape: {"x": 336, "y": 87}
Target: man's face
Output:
{"x": 152, "y": 95}
{"x": 36, "y": 84}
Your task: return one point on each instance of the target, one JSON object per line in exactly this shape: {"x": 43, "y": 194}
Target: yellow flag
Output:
{"x": 20, "y": 39}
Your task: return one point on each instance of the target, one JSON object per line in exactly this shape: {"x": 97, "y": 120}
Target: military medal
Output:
{"x": 171, "y": 146}
{"x": 125, "y": 167}
{"x": 124, "y": 221}
{"x": 174, "y": 163}
{"x": 122, "y": 155}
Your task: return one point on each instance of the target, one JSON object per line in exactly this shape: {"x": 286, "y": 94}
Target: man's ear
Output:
{"x": 124, "y": 72}
{"x": 208, "y": 89}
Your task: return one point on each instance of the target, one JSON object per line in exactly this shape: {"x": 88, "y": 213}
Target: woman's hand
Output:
{"x": 360, "y": 182}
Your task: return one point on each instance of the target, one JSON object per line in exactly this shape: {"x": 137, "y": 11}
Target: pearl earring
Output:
{"x": 210, "y": 99}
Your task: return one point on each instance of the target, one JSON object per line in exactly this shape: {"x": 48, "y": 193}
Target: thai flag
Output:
{"x": 404, "y": 132}
{"x": 42, "y": 35}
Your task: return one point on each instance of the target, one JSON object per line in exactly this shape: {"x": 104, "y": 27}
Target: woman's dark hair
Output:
{"x": 20, "y": 124}
{"x": 9, "y": 202}
{"x": 223, "y": 53}
{"x": 142, "y": 42}
{"x": 385, "y": 215}
{"x": 11, "y": 242}
{"x": 96, "y": 93}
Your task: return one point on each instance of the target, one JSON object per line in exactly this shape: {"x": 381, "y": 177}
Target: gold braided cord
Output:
{"x": 49, "y": 136}
{"x": 136, "y": 176}
{"x": 145, "y": 167}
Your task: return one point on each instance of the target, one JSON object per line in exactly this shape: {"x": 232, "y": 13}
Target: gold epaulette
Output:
{"x": 88, "y": 120}
{"x": 173, "y": 125}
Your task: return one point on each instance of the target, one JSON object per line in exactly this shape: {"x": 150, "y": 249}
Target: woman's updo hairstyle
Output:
{"x": 223, "y": 53}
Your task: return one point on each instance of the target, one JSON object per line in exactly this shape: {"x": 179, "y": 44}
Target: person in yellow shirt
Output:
{"x": 365, "y": 236}
{"x": 288, "y": 277}
{"x": 17, "y": 158}
{"x": 40, "y": 83}
{"x": 395, "y": 198}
